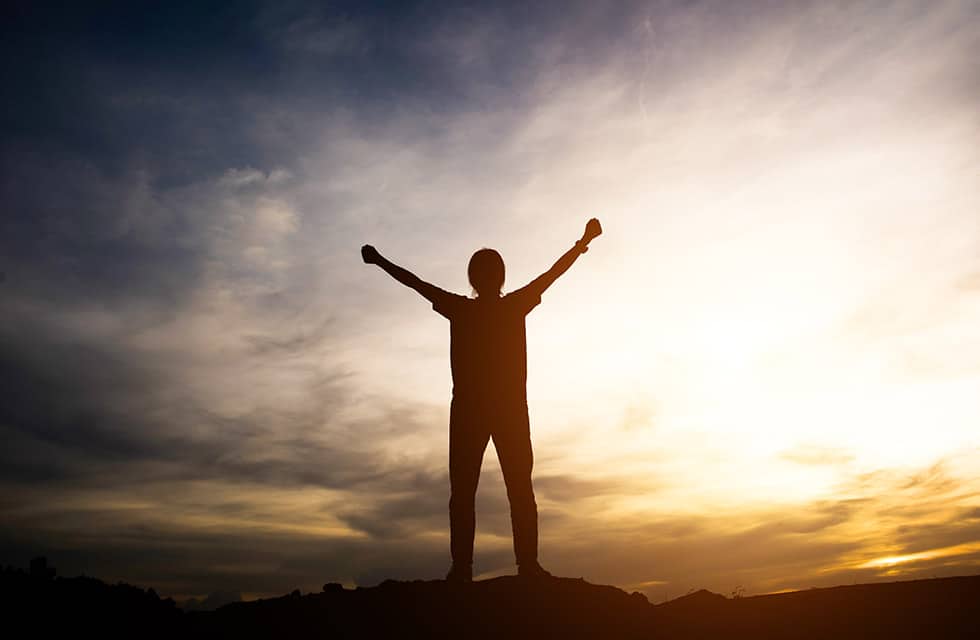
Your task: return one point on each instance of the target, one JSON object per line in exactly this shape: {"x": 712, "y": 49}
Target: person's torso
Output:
{"x": 488, "y": 351}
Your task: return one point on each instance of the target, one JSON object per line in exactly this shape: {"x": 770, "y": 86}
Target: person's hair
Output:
{"x": 486, "y": 273}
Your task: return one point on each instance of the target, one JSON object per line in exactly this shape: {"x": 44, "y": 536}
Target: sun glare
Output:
{"x": 945, "y": 552}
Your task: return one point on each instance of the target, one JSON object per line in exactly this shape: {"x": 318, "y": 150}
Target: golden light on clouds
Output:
{"x": 769, "y": 321}
{"x": 932, "y": 554}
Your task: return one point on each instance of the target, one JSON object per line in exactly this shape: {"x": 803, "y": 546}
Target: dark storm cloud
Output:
{"x": 400, "y": 510}
{"x": 172, "y": 84}
{"x": 85, "y": 413}
{"x": 110, "y": 110}
{"x": 403, "y": 504}
{"x": 960, "y": 528}
{"x": 58, "y": 413}
{"x": 164, "y": 83}
{"x": 561, "y": 488}
{"x": 224, "y": 560}
{"x": 113, "y": 113}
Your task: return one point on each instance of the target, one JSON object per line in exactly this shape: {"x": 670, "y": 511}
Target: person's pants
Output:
{"x": 470, "y": 428}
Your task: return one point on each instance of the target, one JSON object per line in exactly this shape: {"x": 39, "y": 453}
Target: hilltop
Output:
{"x": 506, "y": 607}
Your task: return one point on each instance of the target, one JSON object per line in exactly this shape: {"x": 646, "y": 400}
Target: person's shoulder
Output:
{"x": 523, "y": 299}
{"x": 528, "y": 291}
{"x": 455, "y": 297}
{"x": 450, "y": 304}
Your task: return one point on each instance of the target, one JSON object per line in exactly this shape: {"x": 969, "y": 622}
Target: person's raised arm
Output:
{"x": 430, "y": 292}
{"x": 542, "y": 282}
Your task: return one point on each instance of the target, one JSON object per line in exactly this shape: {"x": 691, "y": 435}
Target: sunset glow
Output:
{"x": 765, "y": 373}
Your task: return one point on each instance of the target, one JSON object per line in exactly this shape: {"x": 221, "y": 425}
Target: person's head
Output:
{"x": 486, "y": 273}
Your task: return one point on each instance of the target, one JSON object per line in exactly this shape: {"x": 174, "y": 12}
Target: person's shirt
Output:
{"x": 488, "y": 344}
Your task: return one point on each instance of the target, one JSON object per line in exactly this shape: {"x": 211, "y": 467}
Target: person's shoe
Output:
{"x": 532, "y": 570}
{"x": 459, "y": 574}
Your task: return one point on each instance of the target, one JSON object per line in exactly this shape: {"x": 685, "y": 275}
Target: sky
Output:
{"x": 763, "y": 376}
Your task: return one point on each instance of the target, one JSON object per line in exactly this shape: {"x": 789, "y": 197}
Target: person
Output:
{"x": 488, "y": 359}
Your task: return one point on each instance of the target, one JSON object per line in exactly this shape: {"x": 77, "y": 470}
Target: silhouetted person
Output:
{"x": 488, "y": 353}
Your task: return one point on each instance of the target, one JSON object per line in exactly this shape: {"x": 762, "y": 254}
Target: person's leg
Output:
{"x": 512, "y": 438}
{"x": 468, "y": 439}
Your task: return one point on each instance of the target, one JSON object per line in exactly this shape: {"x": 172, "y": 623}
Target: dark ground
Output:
{"x": 507, "y": 607}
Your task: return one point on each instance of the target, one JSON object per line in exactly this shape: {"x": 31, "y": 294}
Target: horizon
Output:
{"x": 763, "y": 375}
{"x": 48, "y": 575}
